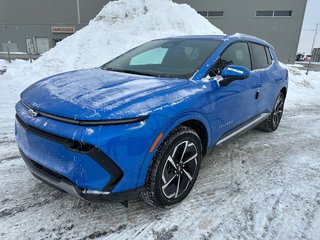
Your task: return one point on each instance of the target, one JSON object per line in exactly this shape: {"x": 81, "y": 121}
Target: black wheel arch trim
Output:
{"x": 186, "y": 117}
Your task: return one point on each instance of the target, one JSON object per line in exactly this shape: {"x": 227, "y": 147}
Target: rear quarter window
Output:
{"x": 269, "y": 57}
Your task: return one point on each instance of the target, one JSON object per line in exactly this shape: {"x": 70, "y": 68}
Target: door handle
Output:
{"x": 257, "y": 85}
{"x": 257, "y": 94}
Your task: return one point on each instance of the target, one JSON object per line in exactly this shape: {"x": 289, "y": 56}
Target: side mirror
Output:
{"x": 235, "y": 72}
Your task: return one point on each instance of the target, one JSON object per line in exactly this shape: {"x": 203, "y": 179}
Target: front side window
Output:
{"x": 237, "y": 54}
{"x": 176, "y": 58}
{"x": 259, "y": 56}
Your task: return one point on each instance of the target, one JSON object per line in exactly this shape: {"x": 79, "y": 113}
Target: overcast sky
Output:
{"x": 311, "y": 18}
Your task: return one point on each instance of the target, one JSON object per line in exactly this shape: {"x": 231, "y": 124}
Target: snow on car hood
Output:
{"x": 96, "y": 94}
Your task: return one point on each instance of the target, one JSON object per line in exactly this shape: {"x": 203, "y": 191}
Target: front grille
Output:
{"x": 42, "y": 133}
{"x": 71, "y": 145}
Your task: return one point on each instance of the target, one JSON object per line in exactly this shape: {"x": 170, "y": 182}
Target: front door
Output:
{"x": 235, "y": 103}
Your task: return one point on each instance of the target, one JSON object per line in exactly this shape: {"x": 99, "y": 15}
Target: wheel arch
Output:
{"x": 284, "y": 92}
{"x": 194, "y": 120}
{"x": 201, "y": 130}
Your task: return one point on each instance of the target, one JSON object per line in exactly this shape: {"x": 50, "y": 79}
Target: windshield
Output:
{"x": 173, "y": 58}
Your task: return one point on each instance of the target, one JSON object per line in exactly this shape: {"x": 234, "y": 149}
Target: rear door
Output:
{"x": 266, "y": 76}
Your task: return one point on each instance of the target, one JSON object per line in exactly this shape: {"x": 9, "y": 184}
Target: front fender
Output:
{"x": 166, "y": 129}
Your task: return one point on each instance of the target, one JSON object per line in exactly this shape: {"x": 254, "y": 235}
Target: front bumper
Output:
{"x": 58, "y": 181}
{"x": 83, "y": 164}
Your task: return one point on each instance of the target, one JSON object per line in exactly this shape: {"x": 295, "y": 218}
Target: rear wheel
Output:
{"x": 174, "y": 168}
{"x": 273, "y": 121}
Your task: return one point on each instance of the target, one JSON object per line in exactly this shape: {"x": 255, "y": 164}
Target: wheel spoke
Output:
{"x": 184, "y": 150}
{"x": 178, "y": 186}
{"x": 191, "y": 158}
{"x": 188, "y": 175}
{"x": 168, "y": 183}
{"x": 280, "y": 104}
{"x": 170, "y": 160}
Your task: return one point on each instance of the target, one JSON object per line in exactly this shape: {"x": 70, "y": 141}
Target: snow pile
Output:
{"x": 303, "y": 88}
{"x": 120, "y": 26}
{"x": 2, "y": 62}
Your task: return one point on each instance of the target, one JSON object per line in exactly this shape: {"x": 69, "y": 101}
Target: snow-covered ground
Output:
{"x": 262, "y": 186}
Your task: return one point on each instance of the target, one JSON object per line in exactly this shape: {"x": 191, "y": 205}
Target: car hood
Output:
{"x": 96, "y": 94}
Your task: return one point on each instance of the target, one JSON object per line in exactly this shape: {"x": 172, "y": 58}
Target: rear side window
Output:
{"x": 260, "y": 59}
{"x": 236, "y": 54}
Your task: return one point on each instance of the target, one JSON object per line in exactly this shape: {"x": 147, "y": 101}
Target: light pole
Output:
{"x": 78, "y": 11}
{"x": 314, "y": 38}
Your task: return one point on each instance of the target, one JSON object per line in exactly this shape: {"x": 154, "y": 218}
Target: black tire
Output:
{"x": 174, "y": 168}
{"x": 272, "y": 122}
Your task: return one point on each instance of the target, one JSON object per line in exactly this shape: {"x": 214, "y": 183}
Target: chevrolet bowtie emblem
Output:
{"x": 32, "y": 113}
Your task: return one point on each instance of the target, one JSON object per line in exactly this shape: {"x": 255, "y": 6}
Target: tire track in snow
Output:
{"x": 11, "y": 156}
{"x": 8, "y": 147}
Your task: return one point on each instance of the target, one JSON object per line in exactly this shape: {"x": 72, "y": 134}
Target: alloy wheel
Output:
{"x": 179, "y": 169}
{"x": 278, "y": 110}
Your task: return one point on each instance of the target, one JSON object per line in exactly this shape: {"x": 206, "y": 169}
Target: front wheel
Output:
{"x": 174, "y": 168}
{"x": 272, "y": 122}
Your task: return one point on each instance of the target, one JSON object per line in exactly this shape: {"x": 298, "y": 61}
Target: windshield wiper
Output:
{"x": 131, "y": 71}
{"x": 139, "y": 73}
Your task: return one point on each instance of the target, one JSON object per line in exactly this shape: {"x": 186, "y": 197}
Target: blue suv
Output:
{"x": 141, "y": 124}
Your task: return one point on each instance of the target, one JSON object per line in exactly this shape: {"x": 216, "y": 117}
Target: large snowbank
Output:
{"x": 120, "y": 26}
